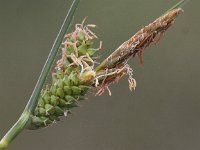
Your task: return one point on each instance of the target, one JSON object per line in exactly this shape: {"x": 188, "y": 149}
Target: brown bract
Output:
{"x": 151, "y": 33}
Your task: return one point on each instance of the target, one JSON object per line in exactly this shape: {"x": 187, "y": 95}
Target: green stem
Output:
{"x": 32, "y": 103}
{"x": 179, "y": 4}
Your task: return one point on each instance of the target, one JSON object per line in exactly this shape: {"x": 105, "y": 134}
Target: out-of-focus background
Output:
{"x": 164, "y": 111}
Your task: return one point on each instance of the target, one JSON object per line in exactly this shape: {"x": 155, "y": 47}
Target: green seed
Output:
{"x": 82, "y": 49}
{"x": 49, "y": 109}
{"x": 36, "y": 120}
{"x": 36, "y": 112}
{"x": 53, "y": 89}
{"x": 46, "y": 98}
{"x": 70, "y": 49}
{"x": 81, "y": 35}
{"x": 91, "y": 51}
{"x": 62, "y": 103}
{"x": 76, "y": 90}
{"x": 60, "y": 93}
{"x": 72, "y": 38}
{"x": 72, "y": 105}
{"x": 46, "y": 121}
{"x": 60, "y": 83}
{"x": 54, "y": 100}
{"x": 70, "y": 98}
{"x": 42, "y": 111}
{"x": 66, "y": 81}
{"x": 67, "y": 90}
{"x": 75, "y": 80}
{"x": 58, "y": 111}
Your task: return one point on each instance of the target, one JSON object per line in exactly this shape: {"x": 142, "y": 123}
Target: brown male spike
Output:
{"x": 115, "y": 66}
{"x": 141, "y": 40}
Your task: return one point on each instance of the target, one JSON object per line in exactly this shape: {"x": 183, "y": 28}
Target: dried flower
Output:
{"x": 115, "y": 66}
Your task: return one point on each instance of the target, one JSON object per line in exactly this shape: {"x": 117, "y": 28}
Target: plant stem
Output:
{"x": 179, "y": 4}
{"x": 30, "y": 107}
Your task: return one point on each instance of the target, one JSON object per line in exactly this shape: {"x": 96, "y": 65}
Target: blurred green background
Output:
{"x": 162, "y": 114}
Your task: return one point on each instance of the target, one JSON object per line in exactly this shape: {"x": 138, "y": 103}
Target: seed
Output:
{"x": 81, "y": 36}
{"x": 67, "y": 90}
{"x": 49, "y": 109}
{"x": 76, "y": 90}
{"x": 54, "y": 100}
{"x": 42, "y": 111}
{"x": 36, "y": 120}
{"x": 59, "y": 111}
{"x": 70, "y": 98}
{"x": 60, "y": 93}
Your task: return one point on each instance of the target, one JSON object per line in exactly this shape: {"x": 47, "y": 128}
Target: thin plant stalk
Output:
{"x": 179, "y": 4}
{"x": 24, "y": 118}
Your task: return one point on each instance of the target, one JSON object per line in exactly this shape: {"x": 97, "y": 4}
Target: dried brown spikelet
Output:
{"x": 135, "y": 45}
{"x": 148, "y": 34}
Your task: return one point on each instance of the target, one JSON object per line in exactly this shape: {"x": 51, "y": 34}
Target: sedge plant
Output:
{"x": 76, "y": 72}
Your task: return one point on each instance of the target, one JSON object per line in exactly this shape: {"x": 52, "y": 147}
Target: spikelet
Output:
{"x": 115, "y": 66}
{"x": 71, "y": 79}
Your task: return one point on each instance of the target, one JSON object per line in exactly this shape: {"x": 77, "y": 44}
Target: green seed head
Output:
{"x": 71, "y": 79}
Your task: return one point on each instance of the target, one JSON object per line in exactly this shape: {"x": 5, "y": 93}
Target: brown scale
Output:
{"x": 142, "y": 39}
{"x": 117, "y": 61}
